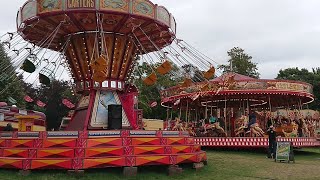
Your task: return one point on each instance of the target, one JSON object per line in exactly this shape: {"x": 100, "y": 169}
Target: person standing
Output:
{"x": 212, "y": 119}
{"x": 8, "y": 127}
{"x": 272, "y": 142}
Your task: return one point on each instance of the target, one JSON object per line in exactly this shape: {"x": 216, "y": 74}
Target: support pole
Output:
{"x": 225, "y": 114}
{"x": 187, "y": 119}
{"x": 206, "y": 113}
{"x": 180, "y": 110}
{"x": 270, "y": 110}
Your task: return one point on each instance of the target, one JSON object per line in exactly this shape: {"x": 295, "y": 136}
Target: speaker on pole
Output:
{"x": 114, "y": 117}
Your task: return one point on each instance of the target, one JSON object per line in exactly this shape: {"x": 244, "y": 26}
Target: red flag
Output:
{"x": 67, "y": 103}
{"x": 194, "y": 96}
{"x": 28, "y": 99}
{"x": 177, "y": 102}
{"x": 40, "y": 104}
{"x": 153, "y": 104}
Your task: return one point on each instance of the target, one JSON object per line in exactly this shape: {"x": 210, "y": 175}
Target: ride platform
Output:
{"x": 80, "y": 150}
{"x": 253, "y": 142}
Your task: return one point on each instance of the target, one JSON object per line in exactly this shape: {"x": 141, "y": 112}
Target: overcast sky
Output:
{"x": 277, "y": 33}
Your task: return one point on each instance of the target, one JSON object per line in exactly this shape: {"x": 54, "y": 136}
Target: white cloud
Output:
{"x": 277, "y": 33}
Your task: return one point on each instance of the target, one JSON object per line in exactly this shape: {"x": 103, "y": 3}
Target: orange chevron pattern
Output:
{"x": 103, "y": 142}
{"x": 21, "y": 143}
{"x": 175, "y": 141}
{"x": 98, "y": 152}
{"x": 152, "y": 160}
{"x": 11, "y": 163}
{"x": 2, "y": 143}
{"x": 186, "y": 158}
{"x": 149, "y": 150}
{"x": 203, "y": 156}
{"x": 55, "y": 143}
{"x": 18, "y": 153}
{"x": 51, "y": 164}
{"x": 55, "y": 153}
{"x": 181, "y": 149}
{"x": 103, "y": 162}
{"x": 145, "y": 141}
{"x": 189, "y": 140}
{"x": 103, "y": 152}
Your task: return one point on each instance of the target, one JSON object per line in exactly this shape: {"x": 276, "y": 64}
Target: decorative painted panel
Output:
{"x": 55, "y": 143}
{"x": 18, "y": 153}
{"x": 29, "y": 10}
{"x": 149, "y": 150}
{"x": 143, "y": 8}
{"x": 104, "y": 162}
{"x": 104, "y": 142}
{"x": 163, "y": 15}
{"x": 115, "y": 5}
{"x": 173, "y": 24}
{"x": 51, "y": 164}
{"x": 45, "y": 6}
{"x": 55, "y": 153}
{"x": 21, "y": 143}
{"x": 11, "y": 163}
{"x": 152, "y": 160}
{"x": 80, "y": 4}
{"x": 145, "y": 141}
{"x": 104, "y": 152}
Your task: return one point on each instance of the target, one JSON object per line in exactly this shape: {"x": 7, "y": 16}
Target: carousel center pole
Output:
{"x": 225, "y": 114}
{"x": 270, "y": 111}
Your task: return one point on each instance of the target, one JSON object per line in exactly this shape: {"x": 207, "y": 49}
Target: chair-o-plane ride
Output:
{"x": 98, "y": 42}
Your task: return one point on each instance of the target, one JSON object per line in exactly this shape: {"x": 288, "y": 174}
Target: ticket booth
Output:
{"x": 26, "y": 123}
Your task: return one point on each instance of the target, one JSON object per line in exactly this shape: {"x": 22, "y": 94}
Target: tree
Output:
{"x": 10, "y": 82}
{"x": 52, "y": 95}
{"x": 149, "y": 94}
{"x": 240, "y": 62}
{"x": 194, "y": 72}
{"x": 304, "y": 75}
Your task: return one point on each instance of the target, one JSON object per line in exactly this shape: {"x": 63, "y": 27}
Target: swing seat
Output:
{"x": 205, "y": 87}
{"x": 99, "y": 76}
{"x": 210, "y": 73}
{"x": 43, "y": 79}
{"x": 164, "y": 68}
{"x": 187, "y": 82}
{"x": 100, "y": 64}
{"x": 28, "y": 66}
{"x": 150, "y": 80}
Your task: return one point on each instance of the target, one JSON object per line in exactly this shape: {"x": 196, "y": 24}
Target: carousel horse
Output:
{"x": 214, "y": 130}
{"x": 311, "y": 127}
{"x": 305, "y": 130}
{"x": 256, "y": 130}
{"x": 242, "y": 123}
{"x": 293, "y": 133}
{"x": 190, "y": 129}
{"x": 178, "y": 125}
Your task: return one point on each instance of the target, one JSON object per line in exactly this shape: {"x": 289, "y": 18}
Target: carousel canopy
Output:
{"x": 234, "y": 88}
{"x": 100, "y": 39}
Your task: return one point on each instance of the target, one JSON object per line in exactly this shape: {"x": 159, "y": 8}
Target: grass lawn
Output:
{"x": 222, "y": 164}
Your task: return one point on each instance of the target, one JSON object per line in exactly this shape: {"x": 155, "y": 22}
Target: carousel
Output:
{"x": 241, "y": 109}
{"x": 99, "y": 43}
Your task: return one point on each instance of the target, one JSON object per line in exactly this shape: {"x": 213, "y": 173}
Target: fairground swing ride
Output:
{"x": 98, "y": 43}
{"x": 99, "y": 51}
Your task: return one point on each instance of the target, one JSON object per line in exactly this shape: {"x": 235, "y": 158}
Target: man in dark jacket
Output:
{"x": 8, "y": 127}
{"x": 272, "y": 142}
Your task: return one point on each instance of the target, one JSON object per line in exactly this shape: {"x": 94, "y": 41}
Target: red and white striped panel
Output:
{"x": 253, "y": 142}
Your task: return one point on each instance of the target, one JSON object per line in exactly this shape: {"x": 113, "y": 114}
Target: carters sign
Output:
{"x": 79, "y": 4}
